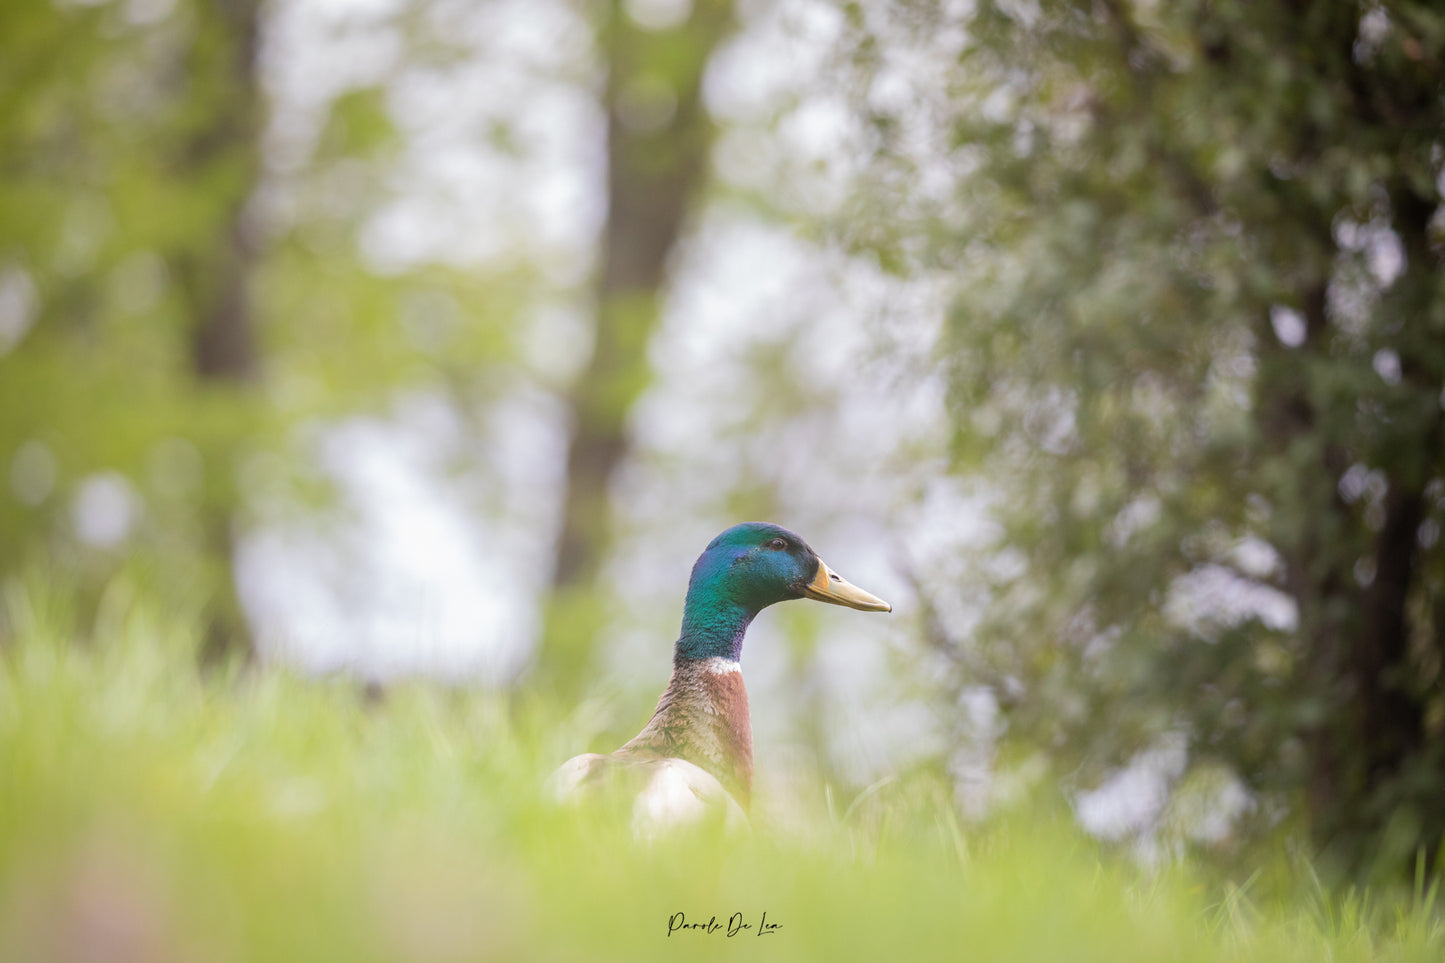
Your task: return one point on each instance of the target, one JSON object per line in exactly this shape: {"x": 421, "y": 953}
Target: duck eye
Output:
{"x": 777, "y": 544}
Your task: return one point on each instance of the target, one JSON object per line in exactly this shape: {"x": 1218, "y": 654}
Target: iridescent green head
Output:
{"x": 743, "y": 571}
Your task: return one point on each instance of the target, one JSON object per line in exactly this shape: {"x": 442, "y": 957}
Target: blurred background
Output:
{"x": 1106, "y": 340}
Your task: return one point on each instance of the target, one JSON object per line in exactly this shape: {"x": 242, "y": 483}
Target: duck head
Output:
{"x": 743, "y": 571}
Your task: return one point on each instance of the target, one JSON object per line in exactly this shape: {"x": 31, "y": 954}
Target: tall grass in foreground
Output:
{"x": 148, "y": 813}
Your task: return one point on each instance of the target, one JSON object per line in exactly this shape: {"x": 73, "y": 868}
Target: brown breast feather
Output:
{"x": 703, "y": 717}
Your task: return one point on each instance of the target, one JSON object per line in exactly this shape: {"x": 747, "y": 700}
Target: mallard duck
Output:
{"x": 694, "y": 759}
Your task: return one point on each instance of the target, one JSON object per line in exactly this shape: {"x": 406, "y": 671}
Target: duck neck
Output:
{"x": 713, "y": 626}
{"x": 703, "y": 714}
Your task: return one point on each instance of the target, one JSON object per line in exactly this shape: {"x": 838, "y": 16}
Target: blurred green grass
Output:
{"x": 151, "y": 812}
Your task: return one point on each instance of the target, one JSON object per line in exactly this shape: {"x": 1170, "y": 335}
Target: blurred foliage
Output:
{"x": 160, "y": 325}
{"x": 1196, "y": 359}
{"x": 148, "y": 813}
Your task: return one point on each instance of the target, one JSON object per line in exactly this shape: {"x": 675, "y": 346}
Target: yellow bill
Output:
{"x": 829, "y": 586}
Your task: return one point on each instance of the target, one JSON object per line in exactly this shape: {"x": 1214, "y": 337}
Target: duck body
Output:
{"x": 694, "y": 758}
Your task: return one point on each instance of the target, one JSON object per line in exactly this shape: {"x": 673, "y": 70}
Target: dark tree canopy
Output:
{"x": 1197, "y": 353}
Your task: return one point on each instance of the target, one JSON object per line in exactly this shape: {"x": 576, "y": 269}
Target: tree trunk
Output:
{"x": 1371, "y": 741}
{"x": 1391, "y": 701}
{"x": 658, "y": 140}
{"x": 215, "y": 280}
